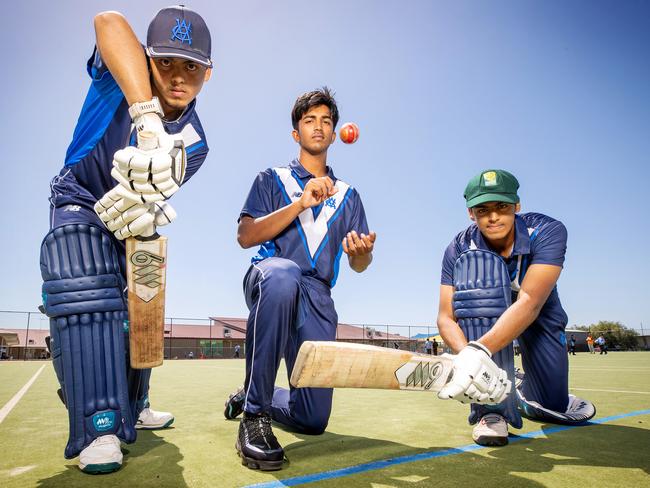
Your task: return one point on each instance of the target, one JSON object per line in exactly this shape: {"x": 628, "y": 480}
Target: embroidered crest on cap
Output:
{"x": 182, "y": 31}
{"x": 490, "y": 178}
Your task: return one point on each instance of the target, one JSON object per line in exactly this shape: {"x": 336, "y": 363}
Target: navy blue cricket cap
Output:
{"x": 178, "y": 32}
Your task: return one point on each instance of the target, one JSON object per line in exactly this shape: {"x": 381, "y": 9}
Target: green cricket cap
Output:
{"x": 492, "y": 185}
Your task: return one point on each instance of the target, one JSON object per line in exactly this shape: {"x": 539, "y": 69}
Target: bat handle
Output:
{"x": 151, "y": 237}
{"x": 147, "y": 140}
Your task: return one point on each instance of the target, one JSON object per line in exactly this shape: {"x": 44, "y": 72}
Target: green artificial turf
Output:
{"x": 366, "y": 425}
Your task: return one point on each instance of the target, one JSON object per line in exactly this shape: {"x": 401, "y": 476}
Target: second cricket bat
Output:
{"x": 146, "y": 266}
{"x": 323, "y": 364}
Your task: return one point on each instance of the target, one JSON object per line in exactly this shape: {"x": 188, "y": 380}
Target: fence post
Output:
{"x": 210, "y": 340}
{"x": 171, "y": 336}
{"x": 29, "y": 316}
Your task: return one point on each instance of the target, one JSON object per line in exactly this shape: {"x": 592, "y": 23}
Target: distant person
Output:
{"x": 516, "y": 260}
{"x": 428, "y": 347}
{"x": 590, "y": 344}
{"x": 236, "y": 356}
{"x": 190, "y": 355}
{"x": 515, "y": 345}
{"x": 572, "y": 345}
{"x": 602, "y": 344}
{"x": 434, "y": 344}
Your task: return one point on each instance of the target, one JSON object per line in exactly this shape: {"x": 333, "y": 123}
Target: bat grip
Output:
{"x": 152, "y": 237}
{"x": 147, "y": 140}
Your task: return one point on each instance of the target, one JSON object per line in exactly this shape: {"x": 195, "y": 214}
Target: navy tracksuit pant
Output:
{"x": 286, "y": 309}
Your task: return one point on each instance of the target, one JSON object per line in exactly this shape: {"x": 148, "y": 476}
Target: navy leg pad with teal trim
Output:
{"x": 83, "y": 296}
{"x": 482, "y": 293}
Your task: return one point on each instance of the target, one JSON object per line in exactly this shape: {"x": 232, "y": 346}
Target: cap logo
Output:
{"x": 490, "y": 178}
{"x": 182, "y": 31}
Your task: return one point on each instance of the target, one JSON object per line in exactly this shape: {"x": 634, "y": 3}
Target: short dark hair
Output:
{"x": 307, "y": 101}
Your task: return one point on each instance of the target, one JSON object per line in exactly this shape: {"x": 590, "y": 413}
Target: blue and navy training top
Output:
{"x": 539, "y": 239}
{"x": 104, "y": 126}
{"x": 314, "y": 240}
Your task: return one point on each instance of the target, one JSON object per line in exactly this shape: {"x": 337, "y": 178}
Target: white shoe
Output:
{"x": 151, "y": 420}
{"x": 491, "y": 430}
{"x": 103, "y": 455}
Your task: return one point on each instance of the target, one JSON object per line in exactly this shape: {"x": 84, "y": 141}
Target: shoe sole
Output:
{"x": 103, "y": 468}
{"x": 229, "y": 412}
{"x": 494, "y": 441}
{"x": 157, "y": 427}
{"x": 251, "y": 463}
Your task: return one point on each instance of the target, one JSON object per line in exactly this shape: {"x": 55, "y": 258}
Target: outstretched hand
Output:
{"x": 359, "y": 245}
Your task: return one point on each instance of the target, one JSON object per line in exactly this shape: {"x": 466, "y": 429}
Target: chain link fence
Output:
{"x": 23, "y": 337}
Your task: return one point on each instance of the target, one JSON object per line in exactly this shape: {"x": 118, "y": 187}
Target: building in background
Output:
{"x": 23, "y": 344}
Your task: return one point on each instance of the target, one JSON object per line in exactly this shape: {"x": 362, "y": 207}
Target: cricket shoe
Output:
{"x": 579, "y": 411}
{"x": 152, "y": 420}
{"x": 103, "y": 455}
{"x": 256, "y": 445}
{"x": 235, "y": 404}
{"x": 491, "y": 430}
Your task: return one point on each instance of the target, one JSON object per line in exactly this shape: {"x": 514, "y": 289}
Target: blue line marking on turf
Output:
{"x": 385, "y": 463}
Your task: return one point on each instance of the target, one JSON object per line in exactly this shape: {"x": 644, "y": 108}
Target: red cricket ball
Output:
{"x": 349, "y": 132}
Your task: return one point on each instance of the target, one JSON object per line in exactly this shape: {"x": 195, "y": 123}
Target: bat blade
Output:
{"x": 146, "y": 265}
{"x": 323, "y": 364}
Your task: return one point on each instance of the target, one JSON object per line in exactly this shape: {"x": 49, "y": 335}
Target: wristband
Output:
{"x": 480, "y": 347}
{"x": 140, "y": 108}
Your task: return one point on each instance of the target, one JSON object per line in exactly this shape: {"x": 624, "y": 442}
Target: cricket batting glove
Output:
{"x": 126, "y": 218}
{"x": 153, "y": 175}
{"x": 147, "y": 116}
{"x": 476, "y": 378}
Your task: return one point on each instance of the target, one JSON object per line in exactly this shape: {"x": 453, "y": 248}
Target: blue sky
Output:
{"x": 556, "y": 92}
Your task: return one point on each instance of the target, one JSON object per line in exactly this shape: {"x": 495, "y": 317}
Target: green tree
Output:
{"x": 615, "y": 333}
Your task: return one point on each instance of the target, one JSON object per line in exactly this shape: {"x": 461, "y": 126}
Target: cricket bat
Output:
{"x": 146, "y": 265}
{"x": 323, "y": 364}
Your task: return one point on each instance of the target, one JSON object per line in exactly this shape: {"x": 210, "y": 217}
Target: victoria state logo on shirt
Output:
{"x": 314, "y": 229}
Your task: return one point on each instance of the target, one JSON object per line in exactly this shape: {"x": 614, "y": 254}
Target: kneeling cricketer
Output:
{"x": 498, "y": 283}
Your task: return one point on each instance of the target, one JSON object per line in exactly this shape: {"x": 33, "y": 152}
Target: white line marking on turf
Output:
{"x": 21, "y": 470}
{"x": 16, "y": 398}
{"x": 611, "y": 391}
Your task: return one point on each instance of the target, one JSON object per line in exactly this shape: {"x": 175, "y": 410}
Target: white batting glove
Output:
{"x": 150, "y": 122}
{"x": 163, "y": 213}
{"x": 147, "y": 116}
{"x": 476, "y": 378}
{"x": 153, "y": 175}
{"x": 126, "y": 218}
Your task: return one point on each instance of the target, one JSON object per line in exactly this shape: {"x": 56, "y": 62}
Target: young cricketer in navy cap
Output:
{"x": 304, "y": 219}
{"x": 83, "y": 256}
{"x": 499, "y": 283}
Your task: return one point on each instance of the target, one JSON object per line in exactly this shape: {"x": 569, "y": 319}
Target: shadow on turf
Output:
{"x": 150, "y": 461}
{"x": 591, "y": 446}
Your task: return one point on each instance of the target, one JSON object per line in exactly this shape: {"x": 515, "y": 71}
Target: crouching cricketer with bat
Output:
{"x": 499, "y": 283}
{"x": 304, "y": 218}
{"x": 110, "y": 190}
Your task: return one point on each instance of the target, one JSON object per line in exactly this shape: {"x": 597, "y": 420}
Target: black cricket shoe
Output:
{"x": 235, "y": 404}
{"x": 256, "y": 445}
